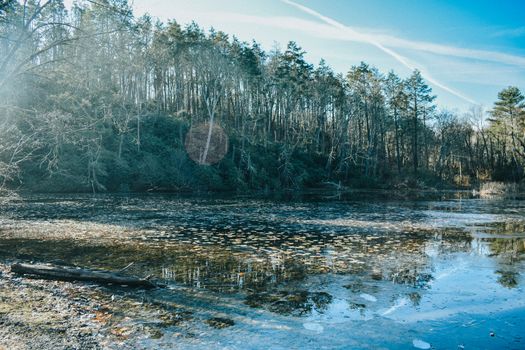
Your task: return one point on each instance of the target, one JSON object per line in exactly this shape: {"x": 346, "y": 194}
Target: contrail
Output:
{"x": 403, "y": 60}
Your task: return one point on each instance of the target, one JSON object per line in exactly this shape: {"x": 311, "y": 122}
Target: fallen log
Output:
{"x": 63, "y": 273}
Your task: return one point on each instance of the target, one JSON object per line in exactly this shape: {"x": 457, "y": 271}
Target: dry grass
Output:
{"x": 498, "y": 189}
{"x": 463, "y": 181}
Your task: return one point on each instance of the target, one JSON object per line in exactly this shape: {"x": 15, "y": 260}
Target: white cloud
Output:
{"x": 353, "y": 34}
{"x": 512, "y": 33}
{"x": 334, "y": 30}
{"x": 455, "y": 51}
{"x": 483, "y": 65}
{"x": 331, "y": 31}
{"x": 392, "y": 41}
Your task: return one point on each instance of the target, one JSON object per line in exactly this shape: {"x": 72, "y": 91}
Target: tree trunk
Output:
{"x": 415, "y": 155}
{"x": 398, "y": 155}
{"x": 74, "y": 274}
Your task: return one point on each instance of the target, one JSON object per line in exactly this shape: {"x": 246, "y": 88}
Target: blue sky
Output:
{"x": 468, "y": 49}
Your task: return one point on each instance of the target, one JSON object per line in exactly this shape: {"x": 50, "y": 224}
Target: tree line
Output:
{"x": 96, "y": 99}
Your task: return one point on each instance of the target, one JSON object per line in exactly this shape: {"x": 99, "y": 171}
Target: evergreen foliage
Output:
{"x": 95, "y": 99}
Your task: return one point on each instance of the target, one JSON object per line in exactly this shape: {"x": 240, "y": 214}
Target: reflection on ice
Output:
{"x": 261, "y": 274}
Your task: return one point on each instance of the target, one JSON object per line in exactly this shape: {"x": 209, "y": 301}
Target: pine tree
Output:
{"x": 508, "y": 123}
{"x": 419, "y": 98}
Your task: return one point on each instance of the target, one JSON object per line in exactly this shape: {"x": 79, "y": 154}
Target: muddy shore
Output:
{"x": 43, "y": 314}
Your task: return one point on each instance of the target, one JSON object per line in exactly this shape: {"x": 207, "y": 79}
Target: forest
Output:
{"x": 94, "y": 99}
{"x": 164, "y": 185}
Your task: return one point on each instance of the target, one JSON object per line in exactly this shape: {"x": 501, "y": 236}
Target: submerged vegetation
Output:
{"x": 250, "y": 274}
{"x": 95, "y": 99}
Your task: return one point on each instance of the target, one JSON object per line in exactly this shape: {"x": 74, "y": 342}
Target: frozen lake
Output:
{"x": 313, "y": 274}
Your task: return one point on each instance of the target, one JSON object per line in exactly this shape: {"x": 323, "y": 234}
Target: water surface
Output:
{"x": 334, "y": 274}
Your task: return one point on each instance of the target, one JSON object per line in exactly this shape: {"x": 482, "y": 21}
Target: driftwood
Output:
{"x": 73, "y": 274}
